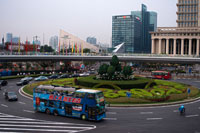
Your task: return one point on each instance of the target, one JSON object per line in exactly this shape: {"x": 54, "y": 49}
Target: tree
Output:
{"x": 119, "y": 68}
{"x": 111, "y": 71}
{"x": 46, "y": 48}
{"x": 103, "y": 69}
{"x": 127, "y": 71}
{"x": 115, "y": 61}
{"x": 44, "y": 65}
{"x": 86, "y": 50}
{"x": 28, "y": 65}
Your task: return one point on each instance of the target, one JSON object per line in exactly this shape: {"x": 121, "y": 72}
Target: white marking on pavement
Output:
{"x": 112, "y": 113}
{"x": 110, "y": 119}
{"x": 143, "y": 113}
{"x": 47, "y": 130}
{"x": 154, "y": 118}
{"x": 175, "y": 111}
{"x": 4, "y": 105}
{"x": 188, "y": 116}
{"x": 21, "y": 102}
{"x": 28, "y": 111}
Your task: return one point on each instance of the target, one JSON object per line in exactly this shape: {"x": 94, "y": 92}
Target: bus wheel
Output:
{"x": 48, "y": 111}
{"x": 55, "y": 112}
{"x": 83, "y": 117}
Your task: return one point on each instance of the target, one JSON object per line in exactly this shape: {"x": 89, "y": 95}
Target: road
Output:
{"x": 20, "y": 117}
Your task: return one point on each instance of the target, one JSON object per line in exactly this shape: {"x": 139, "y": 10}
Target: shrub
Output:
{"x": 140, "y": 93}
{"x": 173, "y": 91}
{"x": 122, "y": 93}
{"x": 158, "y": 92}
{"x": 104, "y": 85}
{"x": 111, "y": 95}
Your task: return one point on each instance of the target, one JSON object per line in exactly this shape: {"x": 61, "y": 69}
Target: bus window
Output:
{"x": 91, "y": 96}
{"x": 79, "y": 95}
{"x": 51, "y": 104}
{"x": 44, "y": 101}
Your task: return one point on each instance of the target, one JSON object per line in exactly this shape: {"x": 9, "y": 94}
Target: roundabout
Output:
{"x": 155, "y": 119}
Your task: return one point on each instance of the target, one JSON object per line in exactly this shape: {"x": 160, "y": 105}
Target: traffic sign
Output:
{"x": 188, "y": 90}
{"x": 128, "y": 94}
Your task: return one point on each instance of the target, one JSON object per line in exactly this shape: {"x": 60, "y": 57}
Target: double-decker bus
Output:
{"x": 86, "y": 104}
{"x": 161, "y": 75}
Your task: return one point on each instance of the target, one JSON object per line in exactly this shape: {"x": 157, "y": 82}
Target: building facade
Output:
{"x": 91, "y": 40}
{"x": 183, "y": 39}
{"x": 134, "y": 30}
{"x": 53, "y": 42}
{"x": 8, "y": 37}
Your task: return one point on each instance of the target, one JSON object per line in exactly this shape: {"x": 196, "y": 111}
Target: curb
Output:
{"x": 155, "y": 105}
{"x": 21, "y": 91}
{"x": 129, "y": 105}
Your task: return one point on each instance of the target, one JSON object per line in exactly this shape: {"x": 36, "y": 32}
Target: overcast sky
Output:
{"x": 83, "y": 18}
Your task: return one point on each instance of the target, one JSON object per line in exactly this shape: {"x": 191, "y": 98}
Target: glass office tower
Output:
{"x": 126, "y": 29}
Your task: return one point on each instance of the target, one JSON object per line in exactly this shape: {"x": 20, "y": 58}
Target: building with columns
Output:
{"x": 183, "y": 39}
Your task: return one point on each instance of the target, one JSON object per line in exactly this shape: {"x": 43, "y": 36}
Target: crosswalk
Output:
{"x": 10, "y": 123}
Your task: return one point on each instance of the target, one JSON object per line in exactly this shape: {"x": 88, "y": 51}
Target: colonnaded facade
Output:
{"x": 183, "y": 39}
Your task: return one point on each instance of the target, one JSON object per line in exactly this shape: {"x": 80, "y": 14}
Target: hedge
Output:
{"x": 140, "y": 93}
{"x": 158, "y": 92}
{"x": 138, "y": 82}
{"x": 173, "y": 91}
{"x": 111, "y": 86}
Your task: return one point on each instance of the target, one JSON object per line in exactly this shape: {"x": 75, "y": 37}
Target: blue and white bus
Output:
{"x": 86, "y": 104}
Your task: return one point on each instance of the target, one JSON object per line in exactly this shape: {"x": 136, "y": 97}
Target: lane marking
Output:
{"x": 21, "y": 119}
{"x": 47, "y": 130}
{"x": 29, "y": 111}
{"x": 112, "y": 113}
{"x": 188, "y": 116}
{"x": 4, "y": 105}
{"x": 110, "y": 119}
{"x": 144, "y": 113}
{"x": 154, "y": 119}
{"x": 21, "y": 102}
{"x": 176, "y": 111}
{"x": 10, "y": 125}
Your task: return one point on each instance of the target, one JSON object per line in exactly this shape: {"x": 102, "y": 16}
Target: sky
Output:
{"x": 82, "y": 18}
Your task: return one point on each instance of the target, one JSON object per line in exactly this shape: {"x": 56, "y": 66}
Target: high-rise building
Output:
{"x": 91, "y": 40}
{"x": 126, "y": 29}
{"x": 188, "y": 13}
{"x": 8, "y": 37}
{"x": 53, "y": 42}
{"x": 183, "y": 39}
{"x": 15, "y": 40}
{"x": 134, "y": 30}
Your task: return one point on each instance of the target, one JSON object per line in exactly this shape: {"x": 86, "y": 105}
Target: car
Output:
{"x": 75, "y": 75}
{"x": 84, "y": 74}
{"x": 64, "y": 76}
{"x": 22, "y": 82}
{"x": 3, "y": 82}
{"x": 11, "y": 96}
{"x": 41, "y": 78}
{"x": 53, "y": 77}
{"x": 27, "y": 78}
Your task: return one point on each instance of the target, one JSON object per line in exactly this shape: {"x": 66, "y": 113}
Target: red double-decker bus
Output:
{"x": 161, "y": 75}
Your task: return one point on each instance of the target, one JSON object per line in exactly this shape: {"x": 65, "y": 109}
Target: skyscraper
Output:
{"x": 126, "y": 29}
{"x": 134, "y": 30}
{"x": 53, "y": 42}
{"x": 188, "y": 13}
{"x": 8, "y": 37}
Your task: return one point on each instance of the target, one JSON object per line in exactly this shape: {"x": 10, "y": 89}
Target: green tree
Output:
{"x": 86, "y": 50}
{"x": 115, "y": 61}
{"x": 111, "y": 71}
{"x": 28, "y": 65}
{"x": 127, "y": 71}
{"x": 46, "y": 48}
{"x": 119, "y": 68}
{"x": 103, "y": 69}
{"x": 44, "y": 64}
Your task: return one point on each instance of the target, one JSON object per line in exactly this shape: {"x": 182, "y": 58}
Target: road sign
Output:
{"x": 188, "y": 90}
{"x": 128, "y": 94}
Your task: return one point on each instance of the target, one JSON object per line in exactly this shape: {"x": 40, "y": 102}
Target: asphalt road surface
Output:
{"x": 19, "y": 116}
